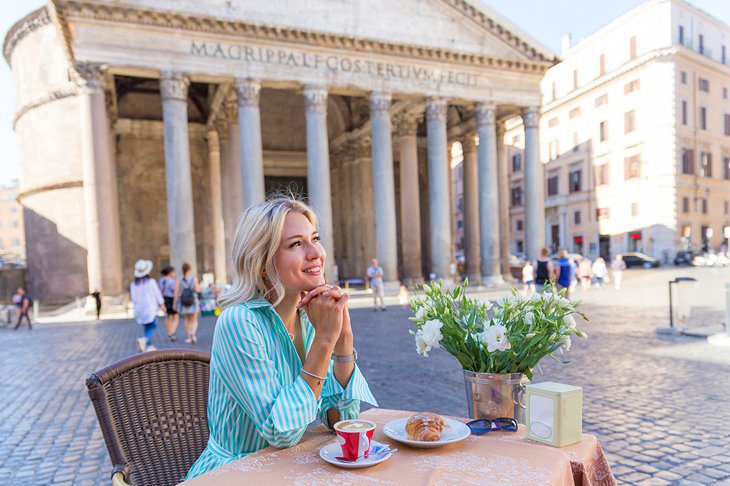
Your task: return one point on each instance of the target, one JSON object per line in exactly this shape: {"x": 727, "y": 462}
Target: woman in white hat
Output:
{"x": 147, "y": 299}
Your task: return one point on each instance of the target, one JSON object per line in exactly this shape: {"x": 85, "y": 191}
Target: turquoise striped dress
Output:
{"x": 257, "y": 396}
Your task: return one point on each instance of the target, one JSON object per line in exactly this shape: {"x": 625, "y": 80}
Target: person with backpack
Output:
{"x": 24, "y": 305}
{"x": 187, "y": 302}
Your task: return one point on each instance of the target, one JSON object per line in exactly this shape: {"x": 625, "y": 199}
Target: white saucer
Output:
{"x": 330, "y": 453}
{"x": 454, "y": 431}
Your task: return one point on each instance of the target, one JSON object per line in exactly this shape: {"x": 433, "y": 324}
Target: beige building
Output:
{"x": 146, "y": 127}
{"x": 635, "y": 137}
{"x": 12, "y": 236}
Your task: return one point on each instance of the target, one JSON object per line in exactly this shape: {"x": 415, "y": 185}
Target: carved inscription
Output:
{"x": 332, "y": 63}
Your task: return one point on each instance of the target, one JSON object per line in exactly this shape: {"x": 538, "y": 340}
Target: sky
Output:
{"x": 544, "y": 20}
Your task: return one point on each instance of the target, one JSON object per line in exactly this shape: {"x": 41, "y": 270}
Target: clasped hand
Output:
{"x": 326, "y": 307}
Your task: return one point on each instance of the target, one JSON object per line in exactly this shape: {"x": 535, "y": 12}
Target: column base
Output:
{"x": 492, "y": 280}
{"x": 392, "y": 287}
{"x": 474, "y": 278}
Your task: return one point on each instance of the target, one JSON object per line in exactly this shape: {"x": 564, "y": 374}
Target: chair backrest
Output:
{"x": 153, "y": 412}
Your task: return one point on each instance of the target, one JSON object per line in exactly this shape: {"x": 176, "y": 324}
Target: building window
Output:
{"x": 727, "y": 207}
{"x": 553, "y": 185}
{"x": 603, "y": 213}
{"x": 688, "y": 161}
{"x": 632, "y": 48}
{"x": 683, "y": 77}
{"x": 726, "y": 168}
{"x": 576, "y": 144}
{"x": 726, "y": 117}
{"x": 575, "y": 79}
{"x": 634, "y": 209}
{"x": 520, "y": 246}
{"x": 705, "y": 164}
{"x": 574, "y": 112}
{"x": 702, "y": 44}
{"x": 553, "y": 90}
{"x": 703, "y": 118}
{"x": 704, "y": 85}
{"x": 703, "y": 205}
{"x": 516, "y": 162}
{"x": 602, "y": 100}
{"x": 602, "y": 64}
{"x": 518, "y": 225}
{"x": 681, "y": 34}
{"x": 574, "y": 180}
{"x": 553, "y": 122}
{"x": 14, "y": 224}
{"x": 724, "y": 93}
{"x": 516, "y": 196}
{"x": 685, "y": 205}
{"x": 460, "y": 223}
{"x": 631, "y": 86}
{"x": 576, "y": 217}
{"x": 602, "y": 174}
{"x": 632, "y": 167}
{"x": 629, "y": 121}
{"x": 554, "y": 150}
{"x": 684, "y": 112}
{"x": 723, "y": 54}
{"x": 603, "y": 131}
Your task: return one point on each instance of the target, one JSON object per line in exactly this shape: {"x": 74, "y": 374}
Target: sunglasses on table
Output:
{"x": 482, "y": 426}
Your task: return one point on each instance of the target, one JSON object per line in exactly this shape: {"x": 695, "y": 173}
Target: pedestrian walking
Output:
{"x": 24, "y": 305}
{"x": 600, "y": 272}
{"x": 544, "y": 270}
{"x": 375, "y": 274}
{"x": 168, "y": 283}
{"x": 585, "y": 274}
{"x": 187, "y": 302}
{"x": 618, "y": 266}
{"x": 528, "y": 278}
{"x": 146, "y": 299}
{"x": 564, "y": 272}
{"x": 96, "y": 294}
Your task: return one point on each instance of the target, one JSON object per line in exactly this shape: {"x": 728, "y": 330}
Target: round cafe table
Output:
{"x": 494, "y": 458}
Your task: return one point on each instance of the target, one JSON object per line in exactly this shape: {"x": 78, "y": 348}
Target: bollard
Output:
{"x": 727, "y": 309}
{"x": 36, "y": 307}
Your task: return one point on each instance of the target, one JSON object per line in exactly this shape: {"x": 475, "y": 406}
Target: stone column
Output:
{"x": 471, "y": 210}
{"x": 410, "y": 202}
{"x": 488, "y": 200}
{"x": 252, "y": 155}
{"x": 318, "y": 169}
{"x": 438, "y": 184}
{"x": 180, "y": 219}
{"x": 216, "y": 208}
{"x": 103, "y": 244}
{"x": 534, "y": 200}
{"x": 386, "y": 236}
{"x": 503, "y": 194}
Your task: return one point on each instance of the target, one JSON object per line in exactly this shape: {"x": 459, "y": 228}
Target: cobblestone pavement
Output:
{"x": 658, "y": 404}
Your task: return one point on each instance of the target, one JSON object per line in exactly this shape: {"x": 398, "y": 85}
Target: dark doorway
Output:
{"x": 555, "y": 237}
{"x": 604, "y": 247}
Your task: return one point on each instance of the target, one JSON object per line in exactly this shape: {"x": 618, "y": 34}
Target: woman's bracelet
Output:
{"x": 320, "y": 378}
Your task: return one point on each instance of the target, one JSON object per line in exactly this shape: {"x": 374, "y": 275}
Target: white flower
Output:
{"x": 563, "y": 301}
{"x": 536, "y": 297}
{"x": 547, "y": 296}
{"x": 431, "y": 333}
{"x": 495, "y": 338}
{"x": 421, "y": 346}
{"x": 529, "y": 317}
{"x": 570, "y": 321}
{"x": 488, "y": 304}
{"x": 506, "y": 300}
{"x": 565, "y": 341}
{"x": 421, "y": 313}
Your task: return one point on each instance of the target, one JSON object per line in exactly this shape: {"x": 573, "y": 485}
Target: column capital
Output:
{"x": 486, "y": 114}
{"x": 530, "y": 116}
{"x": 469, "y": 143}
{"x": 248, "y": 92}
{"x": 88, "y": 75}
{"x": 315, "y": 99}
{"x": 406, "y": 124}
{"x": 174, "y": 86}
{"x": 436, "y": 109}
{"x": 379, "y": 103}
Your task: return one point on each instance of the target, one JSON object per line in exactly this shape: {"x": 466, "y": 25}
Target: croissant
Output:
{"x": 425, "y": 427}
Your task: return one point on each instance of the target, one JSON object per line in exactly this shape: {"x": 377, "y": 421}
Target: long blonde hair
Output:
{"x": 258, "y": 235}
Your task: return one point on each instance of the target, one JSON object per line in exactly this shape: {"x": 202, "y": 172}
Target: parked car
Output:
{"x": 638, "y": 259}
{"x": 684, "y": 257}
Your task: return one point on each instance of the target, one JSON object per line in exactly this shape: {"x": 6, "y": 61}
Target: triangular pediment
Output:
{"x": 466, "y": 26}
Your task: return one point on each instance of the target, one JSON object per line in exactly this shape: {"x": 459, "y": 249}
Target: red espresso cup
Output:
{"x": 355, "y": 437}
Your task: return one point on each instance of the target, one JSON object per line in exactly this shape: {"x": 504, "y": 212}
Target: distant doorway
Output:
{"x": 604, "y": 247}
{"x": 555, "y": 237}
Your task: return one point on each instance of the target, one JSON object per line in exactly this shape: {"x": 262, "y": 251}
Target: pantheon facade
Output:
{"x": 146, "y": 127}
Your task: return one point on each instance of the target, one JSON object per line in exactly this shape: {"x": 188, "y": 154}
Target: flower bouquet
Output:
{"x": 501, "y": 343}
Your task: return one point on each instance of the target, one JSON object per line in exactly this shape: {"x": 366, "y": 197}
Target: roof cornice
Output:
{"x": 79, "y": 9}
{"x": 31, "y": 22}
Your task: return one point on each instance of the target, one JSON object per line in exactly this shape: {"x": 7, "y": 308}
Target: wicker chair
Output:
{"x": 152, "y": 410}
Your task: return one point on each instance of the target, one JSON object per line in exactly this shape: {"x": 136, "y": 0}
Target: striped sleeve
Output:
{"x": 346, "y": 400}
{"x": 279, "y": 413}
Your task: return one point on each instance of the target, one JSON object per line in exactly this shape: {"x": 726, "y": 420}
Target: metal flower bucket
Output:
{"x": 494, "y": 395}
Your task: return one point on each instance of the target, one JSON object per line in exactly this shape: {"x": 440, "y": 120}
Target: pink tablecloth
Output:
{"x": 496, "y": 458}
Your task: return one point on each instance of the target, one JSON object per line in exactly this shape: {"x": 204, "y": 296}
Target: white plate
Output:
{"x": 454, "y": 431}
{"x": 331, "y": 452}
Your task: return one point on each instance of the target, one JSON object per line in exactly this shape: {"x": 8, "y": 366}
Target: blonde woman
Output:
{"x": 283, "y": 346}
